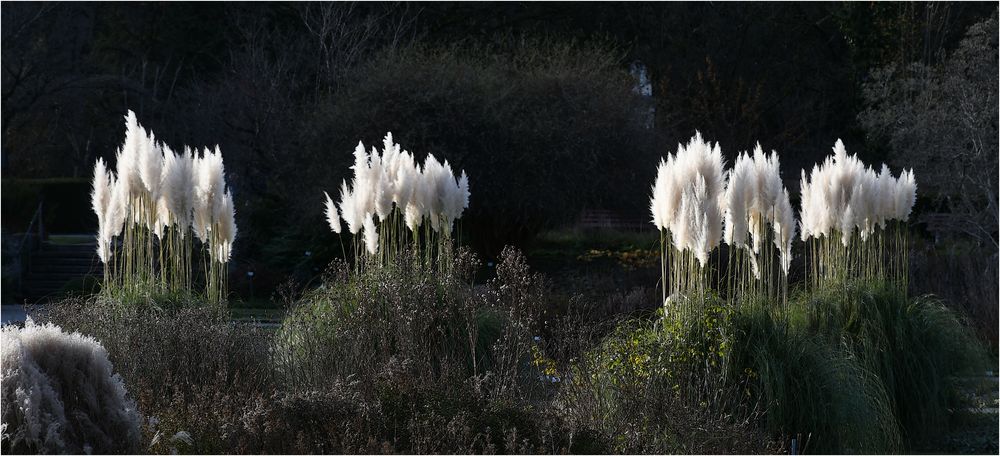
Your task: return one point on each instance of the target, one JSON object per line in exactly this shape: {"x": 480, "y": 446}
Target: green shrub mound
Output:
{"x": 859, "y": 368}
{"x": 915, "y": 347}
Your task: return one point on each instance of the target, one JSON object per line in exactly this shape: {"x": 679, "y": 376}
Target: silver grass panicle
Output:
{"x": 177, "y": 189}
{"x": 100, "y": 198}
{"x": 784, "y": 230}
{"x": 128, "y": 156}
{"x": 226, "y": 223}
{"x": 332, "y": 215}
{"x": 416, "y": 207}
{"x": 151, "y": 166}
{"x": 738, "y": 195}
{"x": 209, "y": 189}
{"x": 456, "y": 200}
{"x": 348, "y": 209}
{"x": 766, "y": 188}
{"x": 886, "y": 193}
{"x": 383, "y": 187}
{"x": 406, "y": 175}
{"x": 370, "y": 235}
{"x": 201, "y": 208}
{"x": 463, "y": 192}
{"x": 433, "y": 178}
{"x": 905, "y": 196}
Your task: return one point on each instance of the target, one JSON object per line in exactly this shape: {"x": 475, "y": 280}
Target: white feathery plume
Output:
{"x": 100, "y": 195}
{"x": 114, "y": 217}
{"x": 416, "y": 208}
{"x": 151, "y": 166}
{"x": 884, "y": 204}
{"x": 680, "y": 228}
{"x": 201, "y": 208}
{"x": 176, "y": 183}
{"x": 382, "y": 186}
{"x": 456, "y": 199}
{"x": 905, "y": 195}
{"x": 100, "y": 199}
{"x": 806, "y": 213}
{"x": 738, "y": 188}
{"x": 705, "y": 220}
{"x": 766, "y": 189}
{"x": 225, "y": 220}
{"x": 371, "y": 235}
{"x": 406, "y": 175}
{"x": 433, "y": 177}
{"x": 332, "y": 216}
{"x": 128, "y": 155}
{"x": 349, "y": 209}
{"x": 688, "y": 194}
{"x": 784, "y": 229}
{"x": 869, "y": 205}
{"x": 658, "y": 201}
{"x": 463, "y": 190}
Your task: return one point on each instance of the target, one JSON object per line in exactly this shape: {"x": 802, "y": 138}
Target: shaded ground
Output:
{"x": 973, "y": 430}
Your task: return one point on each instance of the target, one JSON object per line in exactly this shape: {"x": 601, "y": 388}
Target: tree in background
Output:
{"x": 942, "y": 119}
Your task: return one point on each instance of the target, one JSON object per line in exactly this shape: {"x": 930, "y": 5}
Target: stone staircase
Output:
{"x": 57, "y": 268}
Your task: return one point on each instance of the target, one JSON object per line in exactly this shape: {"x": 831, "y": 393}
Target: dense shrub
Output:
{"x": 848, "y": 369}
{"x": 808, "y": 387}
{"x": 60, "y": 394}
{"x": 403, "y": 358}
{"x": 429, "y": 323}
{"x": 914, "y": 347}
{"x": 188, "y": 366}
{"x": 659, "y": 386}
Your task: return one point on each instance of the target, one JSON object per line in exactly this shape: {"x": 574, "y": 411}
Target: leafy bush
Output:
{"x": 60, "y": 395}
{"x": 659, "y": 386}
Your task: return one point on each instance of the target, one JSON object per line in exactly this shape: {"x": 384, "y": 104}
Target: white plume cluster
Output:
{"x": 152, "y": 207}
{"x": 686, "y": 196}
{"x": 158, "y": 188}
{"x": 755, "y": 203}
{"x": 391, "y": 182}
{"x": 842, "y": 195}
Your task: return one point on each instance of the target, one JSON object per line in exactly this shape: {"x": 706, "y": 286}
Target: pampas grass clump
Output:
{"x": 685, "y": 209}
{"x": 854, "y": 221}
{"x": 60, "y": 395}
{"x": 759, "y": 227}
{"x": 152, "y": 207}
{"x": 396, "y": 203}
